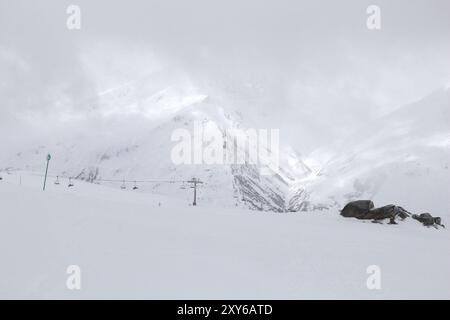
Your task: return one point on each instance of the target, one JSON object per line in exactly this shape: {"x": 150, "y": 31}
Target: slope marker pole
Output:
{"x": 46, "y": 171}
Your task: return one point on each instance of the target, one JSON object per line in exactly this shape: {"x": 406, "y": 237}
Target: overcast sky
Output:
{"x": 300, "y": 61}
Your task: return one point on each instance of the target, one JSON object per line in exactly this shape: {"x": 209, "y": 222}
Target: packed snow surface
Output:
{"x": 139, "y": 245}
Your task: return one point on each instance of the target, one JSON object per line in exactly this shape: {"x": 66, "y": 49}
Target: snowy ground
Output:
{"x": 129, "y": 247}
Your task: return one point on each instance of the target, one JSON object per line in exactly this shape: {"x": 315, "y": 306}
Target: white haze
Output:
{"x": 310, "y": 68}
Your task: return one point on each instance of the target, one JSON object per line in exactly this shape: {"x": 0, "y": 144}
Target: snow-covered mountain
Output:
{"x": 126, "y": 146}
{"x": 399, "y": 158}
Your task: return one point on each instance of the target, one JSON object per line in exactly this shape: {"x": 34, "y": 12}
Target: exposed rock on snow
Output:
{"x": 365, "y": 210}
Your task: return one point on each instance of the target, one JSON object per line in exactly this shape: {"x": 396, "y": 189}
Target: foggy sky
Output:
{"x": 309, "y": 62}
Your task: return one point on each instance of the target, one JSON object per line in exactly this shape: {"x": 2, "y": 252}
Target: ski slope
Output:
{"x": 139, "y": 245}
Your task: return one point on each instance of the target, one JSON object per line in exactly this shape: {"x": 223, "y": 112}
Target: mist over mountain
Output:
{"x": 127, "y": 136}
{"x": 104, "y": 100}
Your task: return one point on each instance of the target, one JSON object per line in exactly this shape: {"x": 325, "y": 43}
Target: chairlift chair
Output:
{"x": 135, "y": 186}
{"x": 70, "y": 183}
{"x": 123, "y": 186}
{"x": 57, "y": 180}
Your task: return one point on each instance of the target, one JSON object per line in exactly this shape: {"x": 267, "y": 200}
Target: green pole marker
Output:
{"x": 46, "y": 170}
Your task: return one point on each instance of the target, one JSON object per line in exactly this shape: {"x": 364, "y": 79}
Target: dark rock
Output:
{"x": 365, "y": 209}
{"x": 427, "y": 219}
{"x": 357, "y": 209}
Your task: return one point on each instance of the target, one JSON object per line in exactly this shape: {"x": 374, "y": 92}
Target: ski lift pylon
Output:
{"x": 224, "y": 137}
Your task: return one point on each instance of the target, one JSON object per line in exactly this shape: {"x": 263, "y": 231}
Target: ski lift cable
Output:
{"x": 62, "y": 176}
